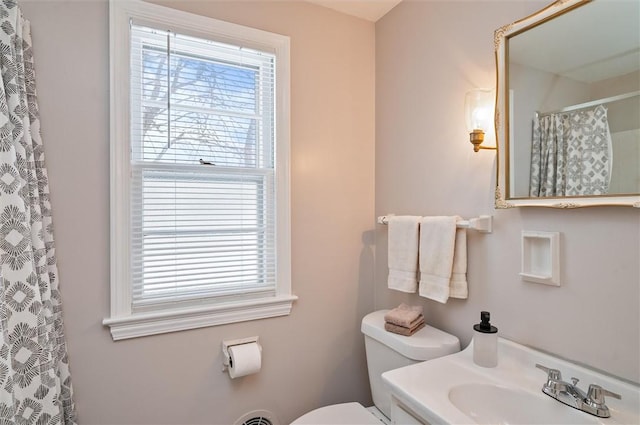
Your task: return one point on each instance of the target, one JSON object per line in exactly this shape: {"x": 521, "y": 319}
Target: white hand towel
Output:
{"x": 458, "y": 287}
{"x": 403, "y": 253}
{"x": 437, "y": 246}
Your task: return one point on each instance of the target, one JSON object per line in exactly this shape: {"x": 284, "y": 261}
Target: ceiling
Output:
{"x": 371, "y": 10}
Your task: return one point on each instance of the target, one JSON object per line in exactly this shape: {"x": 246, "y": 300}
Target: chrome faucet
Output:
{"x": 592, "y": 402}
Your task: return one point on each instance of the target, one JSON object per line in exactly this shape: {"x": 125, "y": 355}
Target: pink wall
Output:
{"x": 311, "y": 358}
{"x": 428, "y": 55}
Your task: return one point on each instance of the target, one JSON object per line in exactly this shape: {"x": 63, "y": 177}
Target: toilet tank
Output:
{"x": 387, "y": 351}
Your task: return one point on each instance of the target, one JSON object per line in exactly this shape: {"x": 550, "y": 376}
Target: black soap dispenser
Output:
{"x": 485, "y": 342}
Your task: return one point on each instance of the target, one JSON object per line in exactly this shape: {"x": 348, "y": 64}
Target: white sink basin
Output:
{"x": 492, "y": 404}
{"x": 454, "y": 390}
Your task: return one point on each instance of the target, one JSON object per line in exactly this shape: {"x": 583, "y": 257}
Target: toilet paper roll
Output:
{"x": 244, "y": 359}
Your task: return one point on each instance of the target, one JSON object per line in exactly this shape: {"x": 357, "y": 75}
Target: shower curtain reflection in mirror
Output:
{"x": 571, "y": 153}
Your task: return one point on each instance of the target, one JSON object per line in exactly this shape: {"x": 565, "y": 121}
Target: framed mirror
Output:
{"x": 568, "y": 106}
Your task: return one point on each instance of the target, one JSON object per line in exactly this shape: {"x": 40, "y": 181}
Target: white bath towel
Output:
{"x": 440, "y": 242}
{"x": 403, "y": 253}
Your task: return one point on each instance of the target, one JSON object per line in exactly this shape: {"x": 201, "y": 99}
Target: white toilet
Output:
{"x": 385, "y": 351}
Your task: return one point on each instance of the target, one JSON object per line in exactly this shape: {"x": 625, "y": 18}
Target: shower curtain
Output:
{"x": 571, "y": 154}
{"x": 35, "y": 383}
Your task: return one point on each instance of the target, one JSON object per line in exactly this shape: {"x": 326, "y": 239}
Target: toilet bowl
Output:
{"x": 385, "y": 351}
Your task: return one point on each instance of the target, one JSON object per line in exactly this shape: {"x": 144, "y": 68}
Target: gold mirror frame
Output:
{"x": 502, "y": 199}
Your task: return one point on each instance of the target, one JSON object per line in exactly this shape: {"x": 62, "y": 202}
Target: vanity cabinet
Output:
{"x": 402, "y": 415}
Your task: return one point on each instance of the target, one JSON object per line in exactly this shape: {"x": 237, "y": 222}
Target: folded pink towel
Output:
{"x": 404, "y": 315}
{"x": 401, "y": 330}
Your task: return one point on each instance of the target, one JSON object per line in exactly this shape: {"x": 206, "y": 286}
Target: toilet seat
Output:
{"x": 339, "y": 414}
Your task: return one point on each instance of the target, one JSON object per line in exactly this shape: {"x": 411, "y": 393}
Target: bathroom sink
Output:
{"x": 454, "y": 390}
{"x": 493, "y": 404}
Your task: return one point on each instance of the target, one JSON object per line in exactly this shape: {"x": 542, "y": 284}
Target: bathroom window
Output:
{"x": 199, "y": 172}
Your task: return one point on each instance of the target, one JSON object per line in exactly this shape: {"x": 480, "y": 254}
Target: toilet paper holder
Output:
{"x": 226, "y": 358}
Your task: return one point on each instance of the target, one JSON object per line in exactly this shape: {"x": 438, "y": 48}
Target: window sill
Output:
{"x": 144, "y": 324}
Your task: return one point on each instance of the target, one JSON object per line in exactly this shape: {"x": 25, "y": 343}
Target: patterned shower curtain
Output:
{"x": 35, "y": 384}
{"x": 571, "y": 154}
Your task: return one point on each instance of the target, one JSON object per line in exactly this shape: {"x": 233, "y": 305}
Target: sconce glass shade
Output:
{"x": 479, "y": 113}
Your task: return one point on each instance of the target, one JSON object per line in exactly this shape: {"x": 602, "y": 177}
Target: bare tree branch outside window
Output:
{"x": 213, "y": 114}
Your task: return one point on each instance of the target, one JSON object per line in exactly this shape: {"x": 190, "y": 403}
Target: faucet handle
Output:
{"x": 596, "y": 394}
{"x": 552, "y": 374}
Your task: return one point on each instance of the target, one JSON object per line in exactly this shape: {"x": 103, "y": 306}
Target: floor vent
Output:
{"x": 257, "y": 417}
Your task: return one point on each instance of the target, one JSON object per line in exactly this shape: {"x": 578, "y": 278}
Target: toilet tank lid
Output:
{"x": 428, "y": 343}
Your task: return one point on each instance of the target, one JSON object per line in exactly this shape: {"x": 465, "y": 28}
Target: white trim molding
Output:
{"x": 124, "y": 321}
{"x": 152, "y": 323}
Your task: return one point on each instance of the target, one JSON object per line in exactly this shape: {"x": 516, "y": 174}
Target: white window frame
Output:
{"x": 123, "y": 322}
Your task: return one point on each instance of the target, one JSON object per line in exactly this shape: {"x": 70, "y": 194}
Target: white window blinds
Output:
{"x": 202, "y": 196}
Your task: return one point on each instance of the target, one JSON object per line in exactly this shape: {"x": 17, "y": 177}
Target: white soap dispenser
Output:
{"x": 485, "y": 342}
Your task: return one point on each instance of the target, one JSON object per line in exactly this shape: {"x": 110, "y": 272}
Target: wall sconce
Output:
{"x": 479, "y": 112}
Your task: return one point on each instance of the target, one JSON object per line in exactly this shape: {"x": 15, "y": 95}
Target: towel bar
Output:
{"x": 482, "y": 223}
